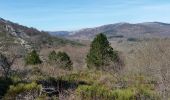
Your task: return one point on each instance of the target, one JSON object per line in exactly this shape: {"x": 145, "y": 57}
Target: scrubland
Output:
{"x": 145, "y": 75}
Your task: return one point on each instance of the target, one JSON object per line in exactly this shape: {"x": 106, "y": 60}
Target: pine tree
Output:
{"x": 61, "y": 59}
{"x": 52, "y": 56}
{"x": 101, "y": 53}
{"x": 33, "y": 58}
{"x": 64, "y": 60}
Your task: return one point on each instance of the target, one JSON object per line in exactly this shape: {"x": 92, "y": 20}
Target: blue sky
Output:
{"x": 54, "y": 15}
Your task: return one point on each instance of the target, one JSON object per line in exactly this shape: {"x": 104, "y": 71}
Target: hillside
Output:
{"x": 127, "y": 30}
{"x": 14, "y": 35}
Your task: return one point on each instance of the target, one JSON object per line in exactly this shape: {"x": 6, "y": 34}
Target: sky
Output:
{"x": 56, "y": 15}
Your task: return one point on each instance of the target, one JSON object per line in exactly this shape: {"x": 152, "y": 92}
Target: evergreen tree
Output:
{"x": 33, "y": 58}
{"x": 101, "y": 53}
{"x": 52, "y": 56}
{"x": 61, "y": 59}
{"x": 64, "y": 60}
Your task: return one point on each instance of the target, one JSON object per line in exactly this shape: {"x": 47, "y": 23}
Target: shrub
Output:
{"x": 101, "y": 54}
{"x": 32, "y": 58}
{"x": 52, "y": 56}
{"x": 61, "y": 59}
{"x": 97, "y": 92}
{"x": 23, "y": 91}
{"x": 86, "y": 92}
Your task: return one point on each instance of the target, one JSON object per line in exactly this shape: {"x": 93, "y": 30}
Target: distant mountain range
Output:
{"x": 61, "y": 33}
{"x": 119, "y": 30}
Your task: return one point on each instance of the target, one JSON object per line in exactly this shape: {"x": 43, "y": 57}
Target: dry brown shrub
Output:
{"x": 152, "y": 58}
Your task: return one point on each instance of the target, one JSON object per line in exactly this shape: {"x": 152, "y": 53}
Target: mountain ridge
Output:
{"x": 125, "y": 29}
{"x": 26, "y": 37}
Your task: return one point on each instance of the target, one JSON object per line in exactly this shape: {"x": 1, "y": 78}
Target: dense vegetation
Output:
{"x": 61, "y": 59}
{"x": 20, "y": 91}
{"x": 32, "y": 58}
{"x": 55, "y": 78}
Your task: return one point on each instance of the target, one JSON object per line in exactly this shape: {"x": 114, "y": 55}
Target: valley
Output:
{"x": 140, "y": 72}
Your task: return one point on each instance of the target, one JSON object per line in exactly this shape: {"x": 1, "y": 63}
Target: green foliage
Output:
{"x": 14, "y": 91}
{"x": 64, "y": 61}
{"x": 52, "y": 56}
{"x": 61, "y": 59}
{"x": 86, "y": 92}
{"x": 93, "y": 92}
{"x": 89, "y": 77}
{"x": 123, "y": 94}
{"x": 135, "y": 88}
{"x": 32, "y": 58}
{"x": 101, "y": 53}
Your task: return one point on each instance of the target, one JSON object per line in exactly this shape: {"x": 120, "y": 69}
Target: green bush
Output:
{"x": 61, "y": 59}
{"x": 86, "y": 92}
{"x": 97, "y": 92}
{"x": 101, "y": 54}
{"x": 22, "y": 90}
{"x": 102, "y": 93}
{"x": 52, "y": 56}
{"x": 32, "y": 58}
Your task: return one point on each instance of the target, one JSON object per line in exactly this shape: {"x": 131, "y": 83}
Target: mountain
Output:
{"x": 13, "y": 35}
{"x": 127, "y": 30}
{"x": 60, "y": 33}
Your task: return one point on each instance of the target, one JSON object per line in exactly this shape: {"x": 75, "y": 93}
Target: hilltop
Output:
{"x": 122, "y": 30}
